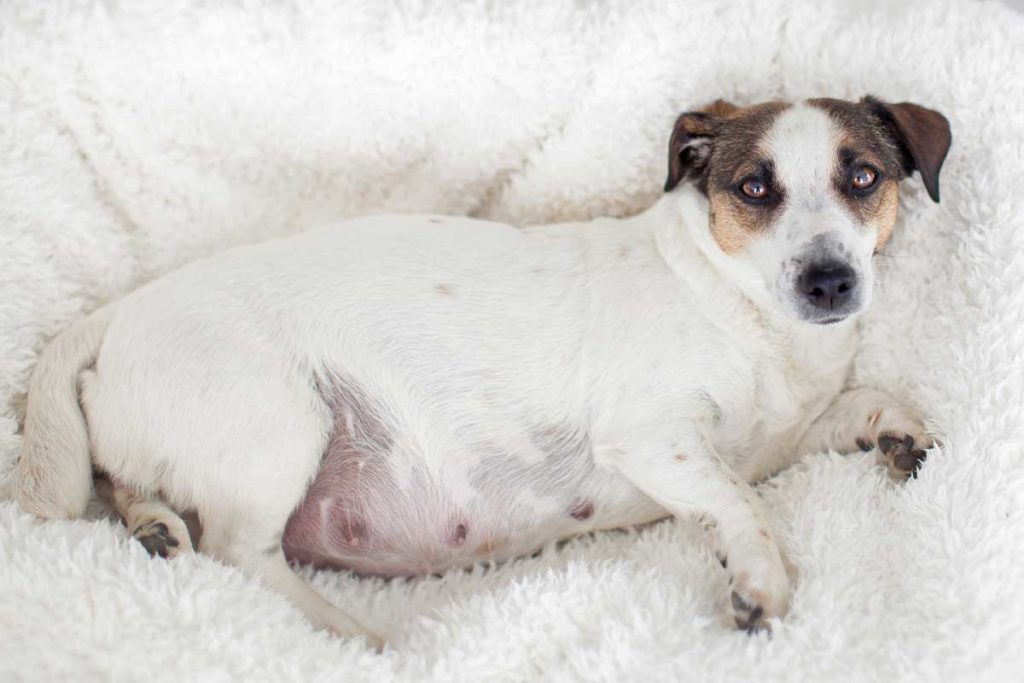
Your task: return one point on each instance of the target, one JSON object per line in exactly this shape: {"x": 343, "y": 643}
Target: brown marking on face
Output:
{"x": 443, "y": 289}
{"x": 739, "y": 154}
{"x": 883, "y": 217}
{"x": 864, "y": 140}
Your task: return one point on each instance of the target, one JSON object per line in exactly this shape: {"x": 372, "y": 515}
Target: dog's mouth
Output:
{"x": 831, "y": 321}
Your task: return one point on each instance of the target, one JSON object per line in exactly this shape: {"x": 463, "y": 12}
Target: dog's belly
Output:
{"x": 375, "y": 506}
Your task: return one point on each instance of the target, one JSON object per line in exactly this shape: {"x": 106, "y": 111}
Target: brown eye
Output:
{"x": 864, "y": 177}
{"x": 754, "y": 188}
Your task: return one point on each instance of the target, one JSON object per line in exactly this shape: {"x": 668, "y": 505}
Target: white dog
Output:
{"x": 399, "y": 395}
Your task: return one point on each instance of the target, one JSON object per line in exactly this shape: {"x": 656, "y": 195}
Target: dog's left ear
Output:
{"x": 689, "y": 149}
{"x": 923, "y": 137}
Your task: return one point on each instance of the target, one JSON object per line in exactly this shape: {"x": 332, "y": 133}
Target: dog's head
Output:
{"x": 804, "y": 195}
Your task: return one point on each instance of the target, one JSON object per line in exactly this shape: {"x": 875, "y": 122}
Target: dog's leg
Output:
{"x": 866, "y": 418}
{"x": 687, "y": 478}
{"x": 251, "y": 541}
{"x": 149, "y": 520}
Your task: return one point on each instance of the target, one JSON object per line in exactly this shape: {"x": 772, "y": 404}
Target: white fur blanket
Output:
{"x": 137, "y": 136}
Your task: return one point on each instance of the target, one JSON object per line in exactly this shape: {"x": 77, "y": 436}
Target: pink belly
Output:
{"x": 359, "y": 514}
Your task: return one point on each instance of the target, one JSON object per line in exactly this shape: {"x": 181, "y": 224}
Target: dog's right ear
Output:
{"x": 689, "y": 149}
{"x": 692, "y": 138}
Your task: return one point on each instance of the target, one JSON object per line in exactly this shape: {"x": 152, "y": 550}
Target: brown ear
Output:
{"x": 923, "y": 136}
{"x": 689, "y": 149}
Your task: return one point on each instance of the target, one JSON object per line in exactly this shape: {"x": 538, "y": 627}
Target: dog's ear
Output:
{"x": 922, "y": 135}
{"x": 689, "y": 149}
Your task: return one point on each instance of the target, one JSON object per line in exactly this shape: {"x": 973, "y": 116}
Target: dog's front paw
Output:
{"x": 902, "y": 453}
{"x": 749, "y": 615}
{"x": 901, "y": 440}
{"x": 754, "y": 602}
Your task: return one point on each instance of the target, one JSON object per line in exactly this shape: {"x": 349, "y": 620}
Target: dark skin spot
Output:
{"x": 443, "y": 289}
{"x": 459, "y": 536}
{"x": 583, "y": 511}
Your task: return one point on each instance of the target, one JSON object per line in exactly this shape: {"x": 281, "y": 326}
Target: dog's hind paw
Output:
{"x": 159, "y": 540}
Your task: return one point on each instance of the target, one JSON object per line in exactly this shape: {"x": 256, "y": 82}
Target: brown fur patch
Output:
{"x": 865, "y": 140}
{"x": 738, "y": 153}
{"x": 884, "y": 212}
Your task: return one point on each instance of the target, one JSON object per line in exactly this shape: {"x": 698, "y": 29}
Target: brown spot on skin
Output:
{"x": 763, "y": 532}
{"x": 583, "y": 511}
{"x": 489, "y": 546}
{"x": 443, "y": 289}
{"x": 681, "y": 457}
{"x": 459, "y": 535}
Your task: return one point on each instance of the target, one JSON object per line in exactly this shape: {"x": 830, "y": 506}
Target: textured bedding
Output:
{"x": 135, "y": 137}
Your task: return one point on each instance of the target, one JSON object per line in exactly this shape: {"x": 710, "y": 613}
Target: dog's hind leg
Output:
{"x": 251, "y": 541}
{"x": 159, "y": 529}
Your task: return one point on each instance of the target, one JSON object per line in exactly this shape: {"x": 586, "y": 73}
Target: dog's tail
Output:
{"x": 54, "y": 473}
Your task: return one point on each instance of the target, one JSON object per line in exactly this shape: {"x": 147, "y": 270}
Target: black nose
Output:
{"x": 828, "y": 285}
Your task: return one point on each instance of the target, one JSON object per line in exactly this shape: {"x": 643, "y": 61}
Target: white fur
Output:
{"x": 894, "y": 584}
{"x": 470, "y": 343}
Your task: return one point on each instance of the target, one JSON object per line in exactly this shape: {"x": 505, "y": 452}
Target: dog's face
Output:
{"x": 804, "y": 195}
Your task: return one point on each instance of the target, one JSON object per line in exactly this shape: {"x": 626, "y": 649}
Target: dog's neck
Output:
{"x": 684, "y": 240}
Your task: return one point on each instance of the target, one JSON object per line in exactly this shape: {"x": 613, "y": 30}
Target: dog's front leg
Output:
{"x": 865, "y": 418}
{"x": 684, "y": 475}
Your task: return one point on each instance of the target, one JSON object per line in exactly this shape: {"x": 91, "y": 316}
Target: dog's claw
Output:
{"x": 901, "y": 453}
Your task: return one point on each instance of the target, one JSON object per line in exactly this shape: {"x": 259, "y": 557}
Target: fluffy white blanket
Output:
{"x": 135, "y": 138}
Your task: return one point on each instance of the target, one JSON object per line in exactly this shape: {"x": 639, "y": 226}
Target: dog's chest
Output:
{"x": 789, "y": 383}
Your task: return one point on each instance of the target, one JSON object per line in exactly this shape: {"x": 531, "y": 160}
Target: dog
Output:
{"x": 400, "y": 395}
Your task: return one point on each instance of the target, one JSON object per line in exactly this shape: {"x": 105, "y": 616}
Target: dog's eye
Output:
{"x": 754, "y": 188}
{"x": 863, "y": 178}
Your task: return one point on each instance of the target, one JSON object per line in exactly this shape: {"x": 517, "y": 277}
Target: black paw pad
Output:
{"x": 901, "y": 452}
{"x": 749, "y": 618}
{"x": 156, "y": 538}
